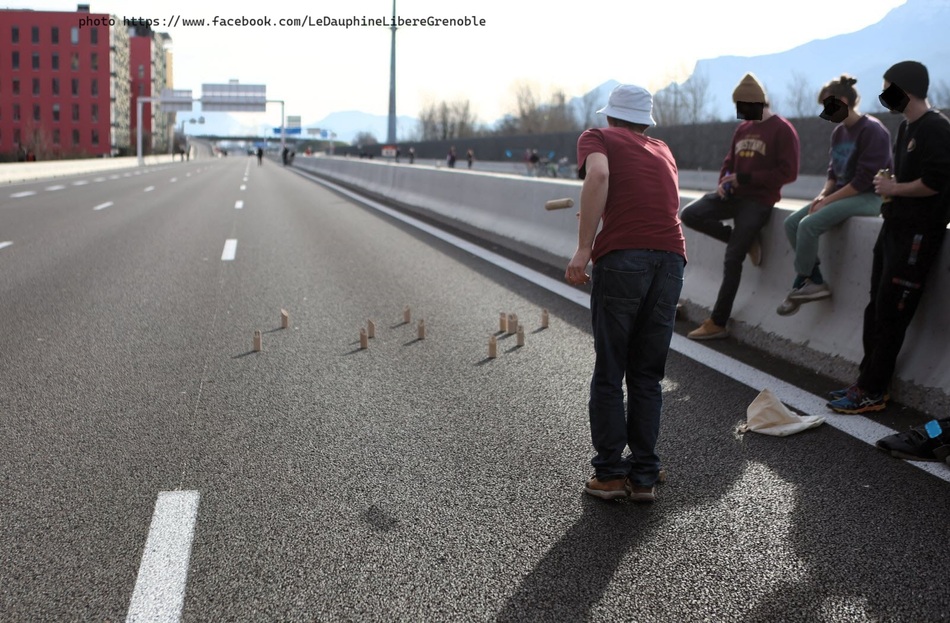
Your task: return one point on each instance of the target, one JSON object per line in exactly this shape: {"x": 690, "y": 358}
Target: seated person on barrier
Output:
{"x": 916, "y": 210}
{"x": 860, "y": 147}
{"x": 762, "y": 158}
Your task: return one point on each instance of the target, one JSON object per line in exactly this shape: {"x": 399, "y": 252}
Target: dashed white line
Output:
{"x": 159, "y": 593}
{"x": 230, "y": 250}
{"x": 113, "y": 177}
{"x": 149, "y": 189}
{"x": 6, "y": 244}
{"x": 80, "y": 183}
{"x": 243, "y": 187}
{"x": 187, "y": 174}
{"x": 238, "y": 204}
{"x": 99, "y": 179}
{"x": 103, "y": 206}
{"x": 55, "y": 187}
{"x": 174, "y": 179}
{"x": 25, "y": 193}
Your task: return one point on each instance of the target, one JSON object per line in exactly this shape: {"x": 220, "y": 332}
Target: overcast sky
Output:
{"x": 551, "y": 44}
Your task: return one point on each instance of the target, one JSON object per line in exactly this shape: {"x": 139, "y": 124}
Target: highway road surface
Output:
{"x": 153, "y": 467}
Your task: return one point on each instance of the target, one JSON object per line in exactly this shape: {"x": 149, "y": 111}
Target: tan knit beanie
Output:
{"x": 749, "y": 90}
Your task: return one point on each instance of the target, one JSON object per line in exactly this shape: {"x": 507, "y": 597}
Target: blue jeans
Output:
{"x": 633, "y": 309}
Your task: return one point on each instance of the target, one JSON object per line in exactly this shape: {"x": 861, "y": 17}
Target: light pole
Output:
{"x": 391, "y": 134}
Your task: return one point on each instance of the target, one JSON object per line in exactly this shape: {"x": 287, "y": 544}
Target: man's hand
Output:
{"x": 885, "y": 186}
{"x": 576, "y": 273}
{"x": 730, "y": 180}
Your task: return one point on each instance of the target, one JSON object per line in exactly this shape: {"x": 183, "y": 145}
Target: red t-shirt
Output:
{"x": 642, "y": 210}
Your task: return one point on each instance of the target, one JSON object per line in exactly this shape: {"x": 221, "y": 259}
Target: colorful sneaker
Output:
{"x": 787, "y": 307}
{"x": 841, "y": 393}
{"x": 607, "y": 489}
{"x": 858, "y": 401}
{"x": 930, "y": 442}
{"x": 641, "y": 493}
{"x": 810, "y": 291}
{"x": 709, "y": 330}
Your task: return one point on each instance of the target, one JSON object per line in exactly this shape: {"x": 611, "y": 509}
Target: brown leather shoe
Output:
{"x": 607, "y": 490}
{"x": 640, "y": 493}
{"x": 709, "y": 330}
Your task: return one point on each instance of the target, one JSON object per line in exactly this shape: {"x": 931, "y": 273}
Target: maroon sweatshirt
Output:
{"x": 764, "y": 156}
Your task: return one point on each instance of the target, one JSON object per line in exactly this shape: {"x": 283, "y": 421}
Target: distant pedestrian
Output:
{"x": 451, "y": 157}
{"x": 260, "y": 156}
{"x": 284, "y": 153}
{"x": 631, "y": 191}
{"x": 412, "y": 155}
{"x": 470, "y": 156}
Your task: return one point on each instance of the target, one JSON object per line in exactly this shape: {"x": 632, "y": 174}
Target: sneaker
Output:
{"x": 930, "y": 442}
{"x": 841, "y": 393}
{"x": 641, "y": 493}
{"x": 755, "y": 252}
{"x": 858, "y": 401}
{"x": 787, "y": 307}
{"x": 810, "y": 292}
{"x": 709, "y": 330}
{"x": 606, "y": 489}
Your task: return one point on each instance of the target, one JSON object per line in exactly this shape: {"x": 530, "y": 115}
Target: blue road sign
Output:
{"x": 288, "y": 131}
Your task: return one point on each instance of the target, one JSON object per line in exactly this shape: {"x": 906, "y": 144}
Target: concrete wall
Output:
{"x": 24, "y": 171}
{"x": 824, "y": 335}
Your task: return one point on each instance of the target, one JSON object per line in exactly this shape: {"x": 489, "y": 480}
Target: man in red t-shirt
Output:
{"x": 763, "y": 157}
{"x": 630, "y": 182}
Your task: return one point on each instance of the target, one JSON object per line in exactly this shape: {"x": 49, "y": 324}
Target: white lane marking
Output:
{"x": 187, "y": 174}
{"x": 80, "y": 183}
{"x": 113, "y": 177}
{"x": 238, "y": 204}
{"x": 126, "y": 175}
{"x": 149, "y": 189}
{"x": 103, "y": 206}
{"x": 25, "y": 193}
{"x": 99, "y": 179}
{"x": 243, "y": 186}
{"x": 159, "y": 593}
{"x": 245, "y": 179}
{"x": 230, "y": 250}
{"x": 55, "y": 187}
{"x": 857, "y": 426}
{"x": 174, "y": 179}
{"x": 6, "y": 244}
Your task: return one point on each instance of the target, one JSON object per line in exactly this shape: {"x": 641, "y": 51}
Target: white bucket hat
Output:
{"x": 630, "y": 103}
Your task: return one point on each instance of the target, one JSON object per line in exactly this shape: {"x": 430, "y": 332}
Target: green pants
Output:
{"x": 803, "y": 229}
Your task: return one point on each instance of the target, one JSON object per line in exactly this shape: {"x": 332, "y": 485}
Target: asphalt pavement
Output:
{"x": 415, "y": 480}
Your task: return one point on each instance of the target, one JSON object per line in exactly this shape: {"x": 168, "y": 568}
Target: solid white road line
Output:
{"x": 103, "y": 206}
{"x": 238, "y": 204}
{"x": 230, "y": 250}
{"x": 857, "y": 426}
{"x": 6, "y": 244}
{"x": 159, "y": 593}
{"x": 24, "y": 193}
{"x": 149, "y": 189}
{"x": 55, "y": 187}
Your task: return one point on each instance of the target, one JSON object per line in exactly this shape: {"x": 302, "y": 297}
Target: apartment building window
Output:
{"x": 54, "y": 34}
{"x": 36, "y": 86}
{"x": 15, "y": 60}
{"x": 95, "y": 136}
{"x": 36, "y": 112}
{"x": 16, "y": 112}
{"x": 94, "y": 113}
{"x": 35, "y": 34}
{"x": 94, "y": 36}
{"x": 16, "y": 136}
{"x": 74, "y": 35}
{"x": 94, "y": 86}
{"x": 16, "y": 86}
{"x": 55, "y": 136}
{"x": 75, "y": 112}
{"x": 54, "y": 61}
{"x": 36, "y": 60}
{"x": 75, "y": 87}
{"x": 74, "y": 61}
{"x": 141, "y": 72}
{"x": 142, "y": 89}
{"x": 75, "y": 137}
{"x": 15, "y": 34}
{"x": 55, "y": 86}
{"x": 55, "y": 112}
{"x": 94, "y": 61}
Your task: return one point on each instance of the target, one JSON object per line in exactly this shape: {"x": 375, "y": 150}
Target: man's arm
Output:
{"x": 593, "y": 202}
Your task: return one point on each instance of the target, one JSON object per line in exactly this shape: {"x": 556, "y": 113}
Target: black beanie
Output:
{"x": 910, "y": 76}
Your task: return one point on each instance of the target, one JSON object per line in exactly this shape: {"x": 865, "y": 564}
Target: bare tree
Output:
{"x": 696, "y": 99}
{"x": 800, "y": 96}
{"x": 557, "y": 115}
{"x": 529, "y": 109}
{"x": 939, "y": 95}
{"x": 670, "y": 106}
{"x": 365, "y": 138}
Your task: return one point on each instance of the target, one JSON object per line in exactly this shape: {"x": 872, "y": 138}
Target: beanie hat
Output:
{"x": 910, "y": 76}
{"x": 749, "y": 90}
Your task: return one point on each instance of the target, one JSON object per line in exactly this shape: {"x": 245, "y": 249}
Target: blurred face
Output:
{"x": 893, "y": 98}
{"x": 835, "y": 108}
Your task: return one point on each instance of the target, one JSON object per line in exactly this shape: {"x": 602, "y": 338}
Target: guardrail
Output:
{"x": 824, "y": 335}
